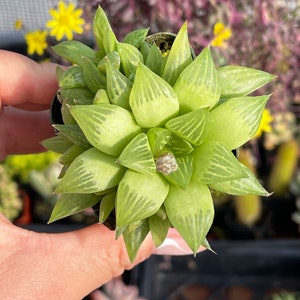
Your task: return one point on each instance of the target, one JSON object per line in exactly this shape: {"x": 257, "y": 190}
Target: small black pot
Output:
{"x": 55, "y": 112}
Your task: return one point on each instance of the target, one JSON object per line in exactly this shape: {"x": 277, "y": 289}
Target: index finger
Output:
{"x": 25, "y": 83}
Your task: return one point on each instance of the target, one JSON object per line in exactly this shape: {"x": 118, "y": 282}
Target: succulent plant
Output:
{"x": 149, "y": 130}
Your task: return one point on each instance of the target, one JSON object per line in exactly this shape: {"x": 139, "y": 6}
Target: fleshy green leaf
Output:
{"x": 118, "y": 87}
{"x": 92, "y": 171}
{"x": 198, "y": 85}
{"x": 70, "y": 204}
{"x": 215, "y": 163}
{"x": 139, "y": 196}
{"x": 154, "y": 60}
{"x": 130, "y": 58}
{"x": 191, "y": 212}
{"x": 153, "y": 103}
{"x": 103, "y": 33}
{"x": 190, "y": 126}
{"x": 65, "y": 112}
{"x": 179, "y": 147}
{"x": 136, "y": 37}
{"x": 74, "y": 134}
{"x": 244, "y": 186}
{"x": 137, "y": 155}
{"x": 179, "y": 56}
{"x": 184, "y": 172}
{"x": 58, "y": 144}
{"x": 70, "y": 154}
{"x": 134, "y": 235}
{"x": 96, "y": 123}
{"x": 207, "y": 246}
{"x": 101, "y": 97}
{"x": 158, "y": 137}
{"x": 95, "y": 80}
{"x": 72, "y": 78}
{"x": 113, "y": 58}
{"x": 235, "y": 121}
{"x": 74, "y": 51}
{"x": 144, "y": 49}
{"x": 237, "y": 81}
{"x": 107, "y": 205}
{"x": 76, "y": 95}
{"x": 159, "y": 226}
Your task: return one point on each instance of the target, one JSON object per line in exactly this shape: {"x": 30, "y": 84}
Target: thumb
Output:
{"x": 93, "y": 256}
{"x": 64, "y": 265}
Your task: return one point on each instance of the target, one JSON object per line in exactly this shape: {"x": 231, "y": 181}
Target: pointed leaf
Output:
{"x": 139, "y": 196}
{"x": 198, "y": 85}
{"x": 153, "y": 103}
{"x": 159, "y": 226}
{"x": 118, "y": 87}
{"x": 67, "y": 118}
{"x": 110, "y": 41}
{"x": 96, "y": 123}
{"x": 74, "y": 51}
{"x": 154, "y": 60}
{"x": 58, "y": 144}
{"x": 91, "y": 172}
{"x": 76, "y": 95}
{"x": 70, "y": 204}
{"x": 72, "y": 78}
{"x": 190, "y": 126}
{"x": 179, "y": 56}
{"x": 113, "y": 58}
{"x": 179, "y": 147}
{"x": 215, "y": 163}
{"x": 207, "y": 246}
{"x": 95, "y": 80}
{"x": 74, "y": 134}
{"x": 101, "y": 97}
{"x": 158, "y": 137}
{"x": 182, "y": 176}
{"x": 103, "y": 33}
{"x": 191, "y": 212}
{"x": 235, "y": 121}
{"x": 107, "y": 205}
{"x": 69, "y": 155}
{"x": 244, "y": 186}
{"x": 137, "y": 155}
{"x": 120, "y": 230}
{"x": 130, "y": 58}
{"x": 136, "y": 37}
{"x": 144, "y": 49}
{"x": 134, "y": 236}
{"x": 237, "y": 81}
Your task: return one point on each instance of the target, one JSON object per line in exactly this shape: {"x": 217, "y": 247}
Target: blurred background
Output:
{"x": 261, "y": 234}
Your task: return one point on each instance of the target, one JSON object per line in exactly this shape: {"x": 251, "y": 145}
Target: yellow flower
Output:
{"x": 265, "y": 124}
{"x": 36, "y": 42}
{"x": 18, "y": 24}
{"x": 221, "y": 34}
{"x": 65, "y": 20}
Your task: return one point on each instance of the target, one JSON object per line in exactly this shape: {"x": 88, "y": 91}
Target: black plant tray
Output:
{"x": 254, "y": 268}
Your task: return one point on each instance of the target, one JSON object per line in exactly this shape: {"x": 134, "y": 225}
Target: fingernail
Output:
{"x": 173, "y": 247}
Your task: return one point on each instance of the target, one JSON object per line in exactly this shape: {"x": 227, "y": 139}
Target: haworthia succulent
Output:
{"x": 149, "y": 129}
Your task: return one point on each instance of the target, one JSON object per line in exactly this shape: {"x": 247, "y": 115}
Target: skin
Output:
{"x": 40, "y": 265}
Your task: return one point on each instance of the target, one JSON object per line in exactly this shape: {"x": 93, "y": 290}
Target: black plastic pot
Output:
{"x": 243, "y": 270}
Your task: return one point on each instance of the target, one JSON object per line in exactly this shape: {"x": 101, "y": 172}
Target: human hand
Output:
{"x": 26, "y": 92}
{"x": 61, "y": 266}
